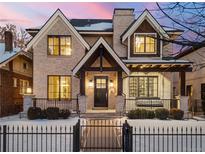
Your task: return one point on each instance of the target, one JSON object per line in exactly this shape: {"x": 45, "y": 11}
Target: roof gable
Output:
{"x": 93, "y": 49}
{"x": 150, "y": 19}
{"x": 49, "y": 24}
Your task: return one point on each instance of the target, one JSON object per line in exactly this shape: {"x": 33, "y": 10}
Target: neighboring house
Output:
{"x": 15, "y": 76}
{"x": 195, "y": 80}
{"x": 105, "y": 62}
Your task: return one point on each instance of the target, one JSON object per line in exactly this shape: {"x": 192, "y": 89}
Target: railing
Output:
{"x": 152, "y": 104}
{"x": 197, "y": 106}
{"x": 163, "y": 139}
{"x": 44, "y": 103}
{"x": 39, "y": 138}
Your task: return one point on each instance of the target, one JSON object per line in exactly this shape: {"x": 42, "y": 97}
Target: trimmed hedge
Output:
{"x": 162, "y": 113}
{"x": 176, "y": 114}
{"x": 150, "y": 114}
{"x": 64, "y": 114}
{"x": 52, "y": 113}
{"x": 140, "y": 114}
{"x": 34, "y": 113}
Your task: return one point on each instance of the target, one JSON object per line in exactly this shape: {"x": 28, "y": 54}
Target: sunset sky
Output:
{"x": 35, "y": 14}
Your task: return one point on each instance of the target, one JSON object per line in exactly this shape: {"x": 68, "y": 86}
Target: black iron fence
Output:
{"x": 164, "y": 139}
{"x": 146, "y": 103}
{"x": 44, "y": 103}
{"x": 101, "y": 135}
{"x": 39, "y": 138}
{"x": 197, "y": 106}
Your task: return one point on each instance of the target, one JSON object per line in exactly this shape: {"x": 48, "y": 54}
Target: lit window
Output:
{"x": 140, "y": 86}
{"x": 24, "y": 84}
{"x": 59, "y": 87}
{"x": 145, "y": 43}
{"x": 59, "y": 45}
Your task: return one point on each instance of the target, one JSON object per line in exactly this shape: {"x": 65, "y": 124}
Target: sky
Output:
{"x": 27, "y": 15}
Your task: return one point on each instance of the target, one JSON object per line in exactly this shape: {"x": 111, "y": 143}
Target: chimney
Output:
{"x": 8, "y": 41}
{"x": 122, "y": 18}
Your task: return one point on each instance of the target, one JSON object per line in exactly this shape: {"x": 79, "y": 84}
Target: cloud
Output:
{"x": 9, "y": 15}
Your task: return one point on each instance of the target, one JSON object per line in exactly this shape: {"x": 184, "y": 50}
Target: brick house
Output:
{"x": 15, "y": 76}
{"x": 107, "y": 64}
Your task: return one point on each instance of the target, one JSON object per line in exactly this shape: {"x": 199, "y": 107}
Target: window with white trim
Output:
{"x": 145, "y": 43}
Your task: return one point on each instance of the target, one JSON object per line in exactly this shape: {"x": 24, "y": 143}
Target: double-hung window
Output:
{"x": 143, "y": 86}
{"x": 145, "y": 43}
{"x": 59, "y": 45}
{"x": 59, "y": 87}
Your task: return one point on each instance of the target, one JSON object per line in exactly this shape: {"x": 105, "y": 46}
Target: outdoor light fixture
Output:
{"x": 90, "y": 84}
{"x": 111, "y": 83}
{"x": 29, "y": 90}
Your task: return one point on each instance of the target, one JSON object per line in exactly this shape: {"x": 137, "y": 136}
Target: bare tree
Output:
{"x": 190, "y": 17}
{"x": 20, "y": 37}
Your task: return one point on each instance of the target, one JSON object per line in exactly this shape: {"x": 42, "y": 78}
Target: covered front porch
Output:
{"x": 150, "y": 84}
{"x": 101, "y": 74}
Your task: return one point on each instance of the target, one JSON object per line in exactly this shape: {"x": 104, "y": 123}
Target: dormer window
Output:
{"x": 145, "y": 43}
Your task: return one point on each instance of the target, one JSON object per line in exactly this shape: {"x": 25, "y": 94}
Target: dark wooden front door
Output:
{"x": 101, "y": 91}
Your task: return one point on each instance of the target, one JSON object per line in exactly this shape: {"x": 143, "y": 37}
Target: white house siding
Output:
{"x": 164, "y": 83}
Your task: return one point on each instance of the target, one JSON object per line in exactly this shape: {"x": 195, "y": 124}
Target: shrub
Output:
{"x": 52, "y": 113}
{"x": 176, "y": 114}
{"x": 162, "y": 113}
{"x": 64, "y": 114}
{"x": 137, "y": 114}
{"x": 43, "y": 114}
{"x": 34, "y": 113}
{"x": 150, "y": 114}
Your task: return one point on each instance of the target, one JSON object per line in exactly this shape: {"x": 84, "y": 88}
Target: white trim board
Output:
{"x": 93, "y": 49}
{"x": 49, "y": 24}
{"x": 145, "y": 16}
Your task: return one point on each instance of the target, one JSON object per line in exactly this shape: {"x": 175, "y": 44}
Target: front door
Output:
{"x": 101, "y": 91}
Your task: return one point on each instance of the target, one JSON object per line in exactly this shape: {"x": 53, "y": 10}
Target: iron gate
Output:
{"x": 101, "y": 135}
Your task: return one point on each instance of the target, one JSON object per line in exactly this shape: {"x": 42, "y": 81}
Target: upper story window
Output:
{"x": 59, "y": 45}
{"x": 145, "y": 43}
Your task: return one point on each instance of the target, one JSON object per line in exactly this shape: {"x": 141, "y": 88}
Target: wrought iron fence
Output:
{"x": 164, "y": 139}
{"x": 152, "y": 104}
{"x": 197, "y": 106}
{"x": 44, "y": 103}
{"x": 39, "y": 138}
{"x": 101, "y": 135}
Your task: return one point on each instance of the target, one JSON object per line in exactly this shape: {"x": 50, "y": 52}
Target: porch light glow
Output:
{"x": 90, "y": 83}
{"x": 111, "y": 83}
{"x": 29, "y": 90}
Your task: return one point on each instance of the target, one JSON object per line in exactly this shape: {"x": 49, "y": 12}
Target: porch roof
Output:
{"x": 158, "y": 65}
{"x": 111, "y": 52}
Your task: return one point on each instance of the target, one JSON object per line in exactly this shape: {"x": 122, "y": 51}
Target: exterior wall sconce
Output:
{"x": 111, "y": 83}
{"x": 29, "y": 90}
{"x": 90, "y": 83}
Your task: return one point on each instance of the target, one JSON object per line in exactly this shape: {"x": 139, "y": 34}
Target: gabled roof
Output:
{"x": 93, "y": 49}
{"x": 146, "y": 15}
{"x": 48, "y": 24}
{"x": 7, "y": 56}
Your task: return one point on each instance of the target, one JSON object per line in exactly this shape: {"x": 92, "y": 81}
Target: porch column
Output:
{"x": 119, "y": 83}
{"x": 82, "y": 83}
{"x": 182, "y": 83}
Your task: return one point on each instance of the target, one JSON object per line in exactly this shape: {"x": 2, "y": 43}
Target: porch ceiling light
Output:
{"x": 90, "y": 83}
{"x": 111, "y": 83}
